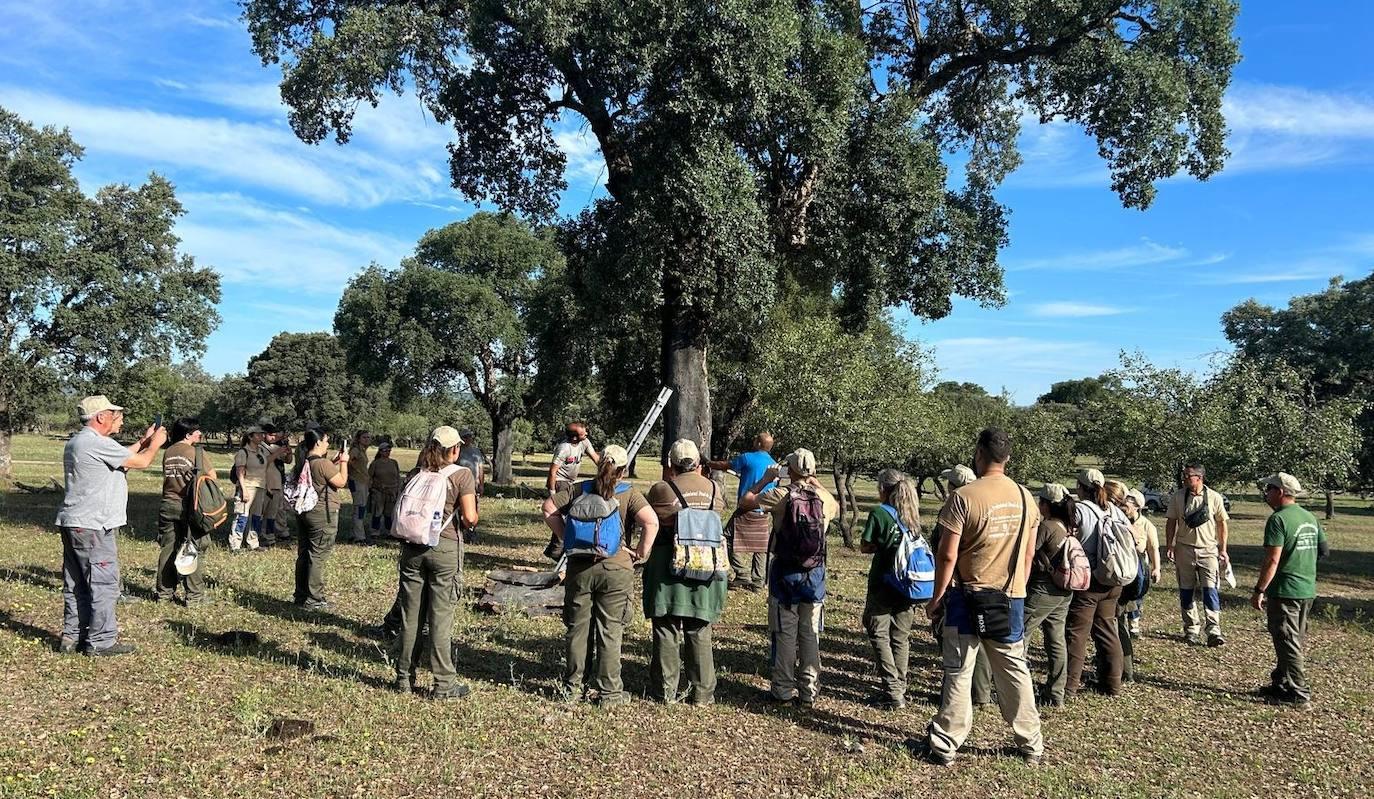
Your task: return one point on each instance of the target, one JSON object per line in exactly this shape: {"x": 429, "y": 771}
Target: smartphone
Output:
{"x": 157, "y": 421}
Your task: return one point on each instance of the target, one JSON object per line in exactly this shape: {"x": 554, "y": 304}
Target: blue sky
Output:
{"x": 174, "y": 88}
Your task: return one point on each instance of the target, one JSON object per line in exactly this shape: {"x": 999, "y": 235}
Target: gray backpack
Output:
{"x": 1117, "y": 560}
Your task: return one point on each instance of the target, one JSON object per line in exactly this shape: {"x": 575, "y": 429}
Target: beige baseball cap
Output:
{"x": 957, "y": 476}
{"x": 446, "y": 436}
{"x": 616, "y": 454}
{"x": 1091, "y": 477}
{"x": 1137, "y": 497}
{"x": 803, "y": 462}
{"x": 684, "y": 455}
{"x": 99, "y": 403}
{"x": 1053, "y": 493}
{"x": 1285, "y": 482}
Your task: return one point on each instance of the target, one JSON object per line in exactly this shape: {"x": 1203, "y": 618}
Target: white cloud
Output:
{"x": 1074, "y": 310}
{"x": 261, "y": 155}
{"x": 1143, "y": 254}
{"x": 1298, "y": 112}
{"x": 584, "y": 154}
{"x": 1012, "y": 354}
{"x": 277, "y": 250}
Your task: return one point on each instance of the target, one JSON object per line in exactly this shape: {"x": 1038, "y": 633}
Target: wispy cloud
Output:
{"x": 1014, "y": 354}
{"x": 280, "y": 252}
{"x": 1075, "y": 310}
{"x": 1299, "y": 112}
{"x": 1143, "y": 254}
{"x": 259, "y": 155}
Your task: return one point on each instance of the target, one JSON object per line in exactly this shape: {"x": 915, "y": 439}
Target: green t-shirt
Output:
{"x": 881, "y": 530}
{"x": 1297, "y": 531}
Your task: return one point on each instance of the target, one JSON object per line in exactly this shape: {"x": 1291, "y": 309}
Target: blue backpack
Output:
{"x": 591, "y": 525}
{"x": 912, "y": 572}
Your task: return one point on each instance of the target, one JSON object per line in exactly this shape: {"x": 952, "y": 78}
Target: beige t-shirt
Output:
{"x": 251, "y": 463}
{"x": 1146, "y": 535}
{"x": 357, "y": 464}
{"x": 1183, "y": 502}
{"x": 321, "y": 470}
{"x": 695, "y": 489}
{"x": 987, "y": 516}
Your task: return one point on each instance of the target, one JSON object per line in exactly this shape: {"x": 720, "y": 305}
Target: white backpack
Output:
{"x": 420, "y": 509}
{"x": 301, "y": 495}
{"x": 1118, "y": 563}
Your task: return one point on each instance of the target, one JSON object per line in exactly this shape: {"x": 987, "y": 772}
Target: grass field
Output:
{"x": 185, "y": 717}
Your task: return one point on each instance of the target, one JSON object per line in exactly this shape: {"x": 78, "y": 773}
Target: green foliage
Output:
{"x": 457, "y": 315}
{"x": 303, "y": 377}
{"x": 1042, "y": 441}
{"x": 232, "y": 407}
{"x": 1327, "y": 338}
{"x": 151, "y": 387}
{"x": 86, "y": 283}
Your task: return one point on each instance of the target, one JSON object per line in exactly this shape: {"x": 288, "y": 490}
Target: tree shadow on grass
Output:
{"x": 38, "y": 576}
{"x": 272, "y": 652}
{"x": 287, "y": 611}
{"x": 25, "y": 630}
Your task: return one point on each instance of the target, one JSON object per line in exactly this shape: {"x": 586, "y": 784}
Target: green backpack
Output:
{"x": 206, "y": 506}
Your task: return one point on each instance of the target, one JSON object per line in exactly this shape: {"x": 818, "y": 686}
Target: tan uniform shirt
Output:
{"x": 695, "y": 488}
{"x": 1183, "y": 502}
{"x": 987, "y": 516}
{"x": 251, "y": 463}
{"x": 321, "y": 470}
{"x": 357, "y": 464}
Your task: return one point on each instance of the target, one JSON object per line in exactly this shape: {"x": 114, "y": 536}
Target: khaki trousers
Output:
{"x": 1198, "y": 574}
{"x": 796, "y": 650}
{"x": 1015, "y": 693}
{"x": 1288, "y": 627}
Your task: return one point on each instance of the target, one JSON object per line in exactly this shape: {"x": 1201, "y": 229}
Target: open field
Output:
{"x": 186, "y": 717}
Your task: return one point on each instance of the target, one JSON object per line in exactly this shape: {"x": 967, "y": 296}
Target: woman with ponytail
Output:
{"x": 887, "y": 613}
{"x": 1047, "y": 605}
{"x": 431, "y": 575}
{"x": 1093, "y": 612}
{"x": 319, "y": 525}
{"x": 598, "y": 589}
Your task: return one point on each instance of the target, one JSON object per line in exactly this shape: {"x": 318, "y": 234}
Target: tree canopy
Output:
{"x": 86, "y": 281}
{"x": 748, "y": 140}
{"x": 303, "y": 377}
{"x": 460, "y": 314}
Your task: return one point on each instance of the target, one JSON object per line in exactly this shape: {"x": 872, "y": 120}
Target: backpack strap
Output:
{"x": 683, "y": 500}
{"x": 891, "y": 511}
{"x": 1016, "y": 549}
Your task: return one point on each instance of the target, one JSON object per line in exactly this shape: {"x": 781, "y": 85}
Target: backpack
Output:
{"x": 420, "y": 511}
{"x": 699, "y": 541}
{"x": 592, "y": 525}
{"x": 800, "y": 539}
{"x": 1070, "y": 569}
{"x": 1117, "y": 561}
{"x": 206, "y": 507}
{"x": 1140, "y": 586}
{"x": 912, "y": 572}
{"x": 301, "y": 495}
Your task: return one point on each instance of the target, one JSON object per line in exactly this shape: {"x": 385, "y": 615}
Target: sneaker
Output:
{"x": 455, "y": 691}
{"x": 68, "y": 647}
{"x": 110, "y": 651}
{"x": 1135, "y": 630}
{"x": 311, "y": 604}
{"x": 1215, "y": 641}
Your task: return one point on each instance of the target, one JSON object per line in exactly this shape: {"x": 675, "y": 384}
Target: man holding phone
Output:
{"x": 96, "y": 504}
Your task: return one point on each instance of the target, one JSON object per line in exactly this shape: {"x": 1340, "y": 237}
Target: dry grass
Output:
{"x": 186, "y": 717}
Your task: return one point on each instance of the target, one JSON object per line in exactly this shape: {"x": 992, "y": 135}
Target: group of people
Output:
{"x": 1001, "y": 557}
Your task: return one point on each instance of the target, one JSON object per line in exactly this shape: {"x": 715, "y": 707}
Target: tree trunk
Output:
{"x": 683, "y": 355}
{"x": 842, "y": 497}
{"x": 6, "y": 458}
{"x": 1330, "y": 504}
{"x": 853, "y": 506}
{"x": 502, "y": 449}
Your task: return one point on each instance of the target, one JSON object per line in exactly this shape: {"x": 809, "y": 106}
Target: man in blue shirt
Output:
{"x": 747, "y": 531}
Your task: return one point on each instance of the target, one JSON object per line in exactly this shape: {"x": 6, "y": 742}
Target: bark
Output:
{"x": 1330, "y": 504}
{"x": 502, "y": 449}
{"x": 842, "y": 496}
{"x": 6, "y": 458}
{"x": 853, "y": 506}
{"x": 683, "y": 355}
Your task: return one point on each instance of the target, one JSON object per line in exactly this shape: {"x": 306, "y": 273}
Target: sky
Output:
{"x": 174, "y": 87}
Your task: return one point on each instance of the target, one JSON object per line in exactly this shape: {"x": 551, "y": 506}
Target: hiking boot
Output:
{"x": 112, "y": 650}
{"x": 1216, "y": 641}
{"x": 403, "y": 685}
{"x": 921, "y": 749}
{"x": 455, "y": 691}
{"x": 1288, "y": 700}
{"x": 1048, "y": 702}
{"x": 381, "y": 632}
{"x": 312, "y": 605}
{"x": 1192, "y": 639}
{"x": 1135, "y": 629}
{"x": 770, "y": 698}
{"x": 891, "y": 704}
{"x": 68, "y": 647}
{"x": 198, "y": 602}
{"x": 1031, "y": 759}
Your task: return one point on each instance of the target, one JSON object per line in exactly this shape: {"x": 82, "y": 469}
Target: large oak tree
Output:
{"x": 748, "y": 140}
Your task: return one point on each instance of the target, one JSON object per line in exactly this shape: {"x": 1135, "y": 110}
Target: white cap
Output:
{"x": 684, "y": 455}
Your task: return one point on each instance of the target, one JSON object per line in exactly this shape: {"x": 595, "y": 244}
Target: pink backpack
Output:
{"x": 420, "y": 510}
{"x": 1071, "y": 568}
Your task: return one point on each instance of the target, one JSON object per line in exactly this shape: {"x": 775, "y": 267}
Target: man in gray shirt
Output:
{"x": 95, "y": 506}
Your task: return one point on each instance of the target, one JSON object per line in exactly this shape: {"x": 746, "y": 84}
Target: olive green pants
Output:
{"x": 672, "y": 636}
{"x": 429, "y": 579}
{"x": 1288, "y": 627}
{"x": 887, "y": 620}
{"x": 318, "y": 529}
{"x": 1047, "y": 609}
{"x": 594, "y": 608}
{"x": 171, "y": 535}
